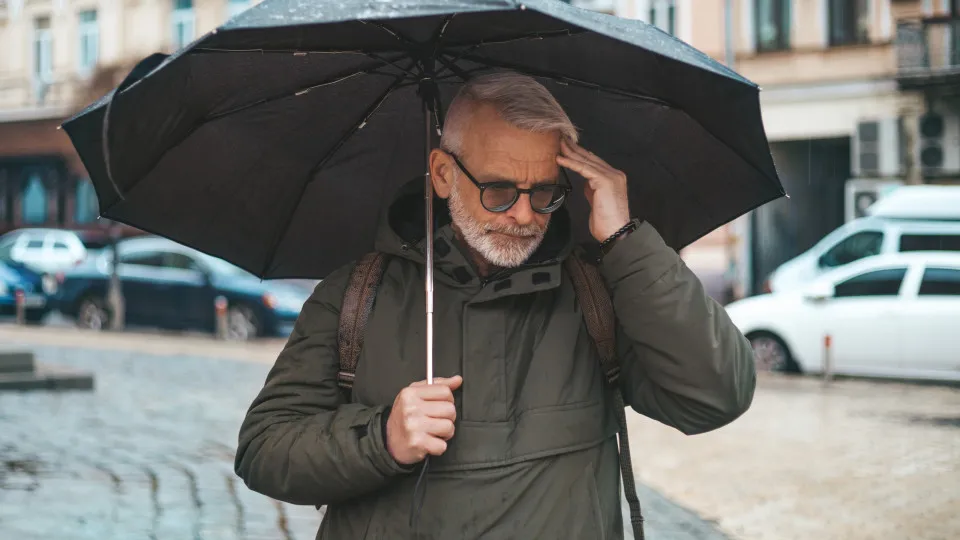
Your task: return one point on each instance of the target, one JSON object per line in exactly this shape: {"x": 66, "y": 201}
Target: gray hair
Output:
{"x": 519, "y": 99}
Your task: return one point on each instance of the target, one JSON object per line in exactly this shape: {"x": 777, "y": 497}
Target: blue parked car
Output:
{"x": 15, "y": 276}
{"x": 169, "y": 285}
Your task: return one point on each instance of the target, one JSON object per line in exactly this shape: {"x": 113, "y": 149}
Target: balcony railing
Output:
{"x": 928, "y": 51}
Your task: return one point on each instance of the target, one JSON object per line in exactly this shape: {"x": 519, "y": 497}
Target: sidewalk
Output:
{"x": 856, "y": 460}
{"x": 149, "y": 453}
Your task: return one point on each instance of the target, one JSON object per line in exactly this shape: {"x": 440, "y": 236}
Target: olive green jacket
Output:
{"x": 535, "y": 451}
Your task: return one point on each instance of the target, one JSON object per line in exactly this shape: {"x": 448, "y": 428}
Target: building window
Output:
{"x": 773, "y": 25}
{"x": 89, "y": 41}
{"x": 849, "y": 22}
{"x": 663, "y": 15}
{"x": 42, "y": 56}
{"x": 236, "y": 7}
{"x": 34, "y": 201}
{"x": 183, "y": 23}
{"x": 85, "y": 206}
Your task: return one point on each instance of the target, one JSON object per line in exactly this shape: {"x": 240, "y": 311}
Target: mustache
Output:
{"x": 527, "y": 231}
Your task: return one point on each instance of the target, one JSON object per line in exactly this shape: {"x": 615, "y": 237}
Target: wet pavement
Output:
{"x": 852, "y": 460}
{"x": 149, "y": 453}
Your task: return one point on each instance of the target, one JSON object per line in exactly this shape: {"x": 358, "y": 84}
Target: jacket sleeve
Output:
{"x": 683, "y": 362}
{"x": 301, "y": 442}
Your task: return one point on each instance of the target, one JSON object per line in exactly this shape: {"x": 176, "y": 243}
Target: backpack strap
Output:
{"x": 597, "y": 307}
{"x": 357, "y": 305}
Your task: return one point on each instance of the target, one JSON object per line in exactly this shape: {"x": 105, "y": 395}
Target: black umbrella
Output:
{"x": 299, "y": 118}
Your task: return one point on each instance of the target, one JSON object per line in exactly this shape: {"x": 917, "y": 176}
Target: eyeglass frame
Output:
{"x": 482, "y": 186}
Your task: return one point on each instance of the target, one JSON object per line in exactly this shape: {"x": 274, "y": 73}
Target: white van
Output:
{"x": 911, "y": 218}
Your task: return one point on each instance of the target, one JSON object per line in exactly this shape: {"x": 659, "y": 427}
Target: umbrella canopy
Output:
{"x": 276, "y": 141}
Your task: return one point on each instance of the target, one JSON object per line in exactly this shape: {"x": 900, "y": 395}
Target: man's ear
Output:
{"x": 441, "y": 173}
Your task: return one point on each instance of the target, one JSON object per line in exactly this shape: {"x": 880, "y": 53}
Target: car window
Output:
{"x": 940, "y": 282}
{"x": 179, "y": 261}
{"x": 853, "y": 248}
{"x": 143, "y": 258}
{"x": 876, "y": 283}
{"x": 35, "y": 243}
{"x": 930, "y": 242}
{"x": 60, "y": 245}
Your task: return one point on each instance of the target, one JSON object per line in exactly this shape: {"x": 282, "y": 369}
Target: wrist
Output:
{"x": 607, "y": 244}
{"x": 609, "y": 230}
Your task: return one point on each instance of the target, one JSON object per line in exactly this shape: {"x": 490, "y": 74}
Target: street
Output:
{"x": 855, "y": 460}
{"x": 149, "y": 454}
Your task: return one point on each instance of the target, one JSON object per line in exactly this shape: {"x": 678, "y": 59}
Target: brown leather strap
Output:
{"x": 597, "y": 307}
{"x": 357, "y": 305}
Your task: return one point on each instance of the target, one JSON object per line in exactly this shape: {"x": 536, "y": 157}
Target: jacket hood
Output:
{"x": 401, "y": 233}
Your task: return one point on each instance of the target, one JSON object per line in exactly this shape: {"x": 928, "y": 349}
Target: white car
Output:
{"x": 895, "y": 315}
{"x": 43, "y": 250}
{"x": 912, "y": 218}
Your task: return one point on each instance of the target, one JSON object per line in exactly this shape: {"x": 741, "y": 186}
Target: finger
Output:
{"x": 584, "y": 169}
{"x": 434, "y": 446}
{"x": 591, "y": 158}
{"x": 580, "y": 152}
{"x": 434, "y": 392}
{"x": 438, "y": 427}
{"x": 439, "y": 409}
{"x": 452, "y": 382}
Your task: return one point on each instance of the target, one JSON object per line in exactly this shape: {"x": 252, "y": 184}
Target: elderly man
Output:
{"x": 520, "y": 433}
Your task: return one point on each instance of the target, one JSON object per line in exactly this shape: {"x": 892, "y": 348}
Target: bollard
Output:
{"x": 827, "y": 358}
{"x": 21, "y": 303}
{"x": 220, "y": 309}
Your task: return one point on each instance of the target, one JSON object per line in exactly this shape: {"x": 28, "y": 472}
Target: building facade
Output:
{"x": 857, "y": 96}
{"x": 58, "y": 56}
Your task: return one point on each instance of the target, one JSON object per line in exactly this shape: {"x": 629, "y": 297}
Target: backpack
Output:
{"x": 597, "y": 308}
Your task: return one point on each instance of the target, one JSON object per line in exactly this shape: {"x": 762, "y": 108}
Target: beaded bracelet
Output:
{"x": 631, "y": 226}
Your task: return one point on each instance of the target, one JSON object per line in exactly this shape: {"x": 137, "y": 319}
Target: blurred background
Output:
{"x": 849, "y": 290}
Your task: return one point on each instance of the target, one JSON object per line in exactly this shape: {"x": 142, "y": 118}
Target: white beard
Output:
{"x": 499, "y": 251}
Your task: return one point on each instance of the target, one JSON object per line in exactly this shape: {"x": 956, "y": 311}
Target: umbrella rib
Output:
{"x": 526, "y": 37}
{"x": 300, "y": 52}
{"x": 323, "y": 161}
{"x": 400, "y": 37}
{"x": 295, "y": 52}
{"x": 300, "y": 92}
{"x": 562, "y": 79}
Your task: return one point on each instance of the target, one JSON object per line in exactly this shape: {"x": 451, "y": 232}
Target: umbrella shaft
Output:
{"x": 428, "y": 247}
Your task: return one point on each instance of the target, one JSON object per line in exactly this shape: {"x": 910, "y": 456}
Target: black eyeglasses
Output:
{"x": 501, "y": 196}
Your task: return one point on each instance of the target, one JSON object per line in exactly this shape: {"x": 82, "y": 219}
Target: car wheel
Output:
{"x": 92, "y": 314}
{"x": 771, "y": 354}
{"x": 242, "y": 324}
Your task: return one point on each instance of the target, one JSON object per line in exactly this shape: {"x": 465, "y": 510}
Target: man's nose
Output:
{"x": 521, "y": 211}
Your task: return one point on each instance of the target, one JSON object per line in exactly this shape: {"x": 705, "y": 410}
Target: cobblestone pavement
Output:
{"x": 149, "y": 453}
{"x": 853, "y": 460}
